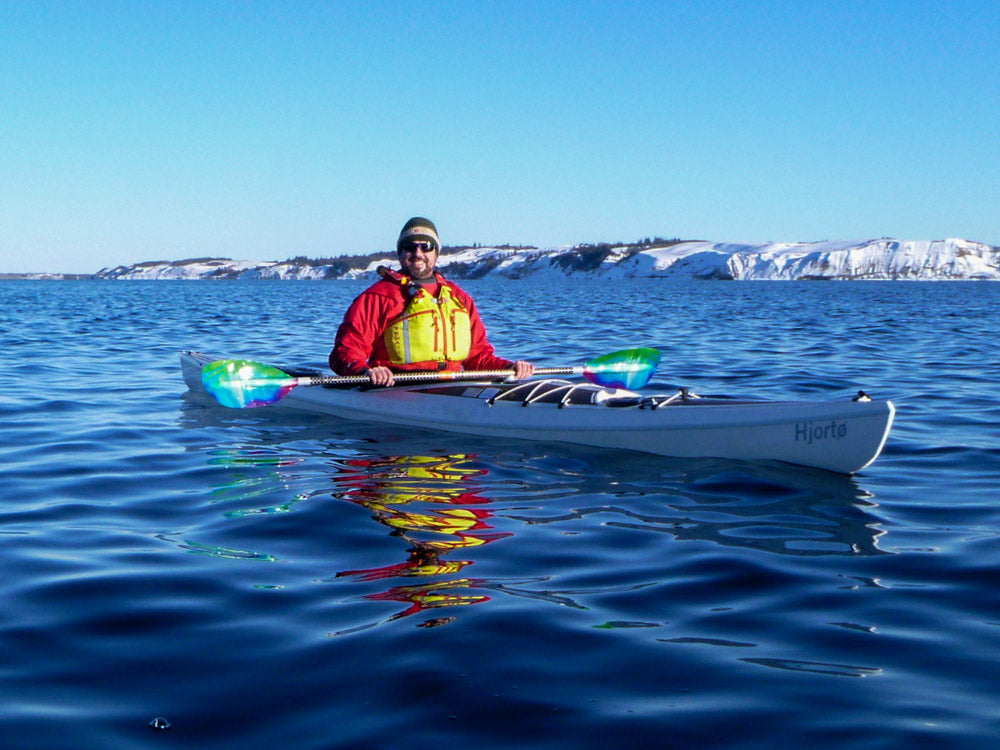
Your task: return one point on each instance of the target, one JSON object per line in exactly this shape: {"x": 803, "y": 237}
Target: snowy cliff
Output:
{"x": 872, "y": 259}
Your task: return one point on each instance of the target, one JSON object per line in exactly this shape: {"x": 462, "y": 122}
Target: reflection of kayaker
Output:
{"x": 422, "y": 562}
{"x": 406, "y": 494}
{"x": 428, "y": 480}
{"x": 457, "y": 521}
{"x": 431, "y": 595}
{"x": 398, "y": 480}
{"x": 448, "y": 468}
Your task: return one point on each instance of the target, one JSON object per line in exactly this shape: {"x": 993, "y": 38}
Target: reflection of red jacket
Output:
{"x": 359, "y": 342}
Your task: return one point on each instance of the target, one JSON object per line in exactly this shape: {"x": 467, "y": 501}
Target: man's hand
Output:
{"x": 380, "y": 376}
{"x": 523, "y": 369}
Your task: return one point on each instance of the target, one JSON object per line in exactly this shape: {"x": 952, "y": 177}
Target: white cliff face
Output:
{"x": 181, "y": 270}
{"x": 875, "y": 259}
{"x": 885, "y": 259}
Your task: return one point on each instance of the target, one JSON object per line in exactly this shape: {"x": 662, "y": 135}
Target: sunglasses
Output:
{"x": 412, "y": 247}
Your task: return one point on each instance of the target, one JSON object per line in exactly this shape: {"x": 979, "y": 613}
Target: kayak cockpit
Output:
{"x": 549, "y": 391}
{"x": 566, "y": 393}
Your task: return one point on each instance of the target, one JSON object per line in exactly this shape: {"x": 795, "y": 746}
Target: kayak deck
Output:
{"x": 843, "y": 435}
{"x": 567, "y": 393}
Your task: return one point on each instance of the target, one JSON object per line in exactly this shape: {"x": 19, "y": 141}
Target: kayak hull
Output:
{"x": 843, "y": 436}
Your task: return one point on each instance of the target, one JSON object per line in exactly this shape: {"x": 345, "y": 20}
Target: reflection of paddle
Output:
{"x": 240, "y": 383}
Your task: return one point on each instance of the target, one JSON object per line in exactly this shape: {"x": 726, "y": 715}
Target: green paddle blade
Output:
{"x": 630, "y": 368}
{"x": 239, "y": 383}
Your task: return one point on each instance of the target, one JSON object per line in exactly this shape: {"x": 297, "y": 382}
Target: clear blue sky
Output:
{"x": 154, "y": 130}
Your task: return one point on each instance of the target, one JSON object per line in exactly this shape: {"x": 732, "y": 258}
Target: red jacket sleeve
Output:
{"x": 362, "y": 325}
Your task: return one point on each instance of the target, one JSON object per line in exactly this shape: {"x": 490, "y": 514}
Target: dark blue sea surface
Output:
{"x": 264, "y": 578}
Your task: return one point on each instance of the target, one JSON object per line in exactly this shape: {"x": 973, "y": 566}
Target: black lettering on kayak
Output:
{"x": 810, "y": 432}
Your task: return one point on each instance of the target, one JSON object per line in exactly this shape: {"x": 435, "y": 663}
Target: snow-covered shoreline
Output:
{"x": 880, "y": 259}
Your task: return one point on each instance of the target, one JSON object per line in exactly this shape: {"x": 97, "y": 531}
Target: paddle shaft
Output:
{"x": 239, "y": 383}
{"x": 432, "y": 377}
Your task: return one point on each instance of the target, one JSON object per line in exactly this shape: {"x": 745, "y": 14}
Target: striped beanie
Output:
{"x": 418, "y": 229}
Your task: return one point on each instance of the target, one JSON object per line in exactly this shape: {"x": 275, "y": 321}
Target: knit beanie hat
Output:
{"x": 418, "y": 229}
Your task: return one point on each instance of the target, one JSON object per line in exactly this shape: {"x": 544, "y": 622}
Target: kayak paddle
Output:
{"x": 240, "y": 383}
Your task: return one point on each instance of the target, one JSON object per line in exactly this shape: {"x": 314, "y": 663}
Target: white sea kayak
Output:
{"x": 843, "y": 435}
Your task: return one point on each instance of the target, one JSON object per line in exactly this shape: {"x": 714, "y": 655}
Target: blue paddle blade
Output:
{"x": 239, "y": 383}
{"x": 630, "y": 368}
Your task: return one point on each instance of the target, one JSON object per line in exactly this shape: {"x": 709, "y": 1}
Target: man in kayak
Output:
{"x": 415, "y": 320}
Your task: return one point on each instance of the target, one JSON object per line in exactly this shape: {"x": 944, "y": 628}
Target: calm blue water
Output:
{"x": 268, "y": 579}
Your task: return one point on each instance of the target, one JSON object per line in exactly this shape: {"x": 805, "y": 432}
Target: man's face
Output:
{"x": 418, "y": 259}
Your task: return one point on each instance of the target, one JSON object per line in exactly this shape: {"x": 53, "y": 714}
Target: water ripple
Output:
{"x": 266, "y": 578}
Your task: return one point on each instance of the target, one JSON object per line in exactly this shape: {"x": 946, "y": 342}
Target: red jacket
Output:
{"x": 359, "y": 344}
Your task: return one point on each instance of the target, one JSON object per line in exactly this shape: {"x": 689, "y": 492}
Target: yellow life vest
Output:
{"x": 431, "y": 331}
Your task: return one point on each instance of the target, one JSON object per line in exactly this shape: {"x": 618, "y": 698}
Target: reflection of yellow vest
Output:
{"x": 430, "y": 331}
